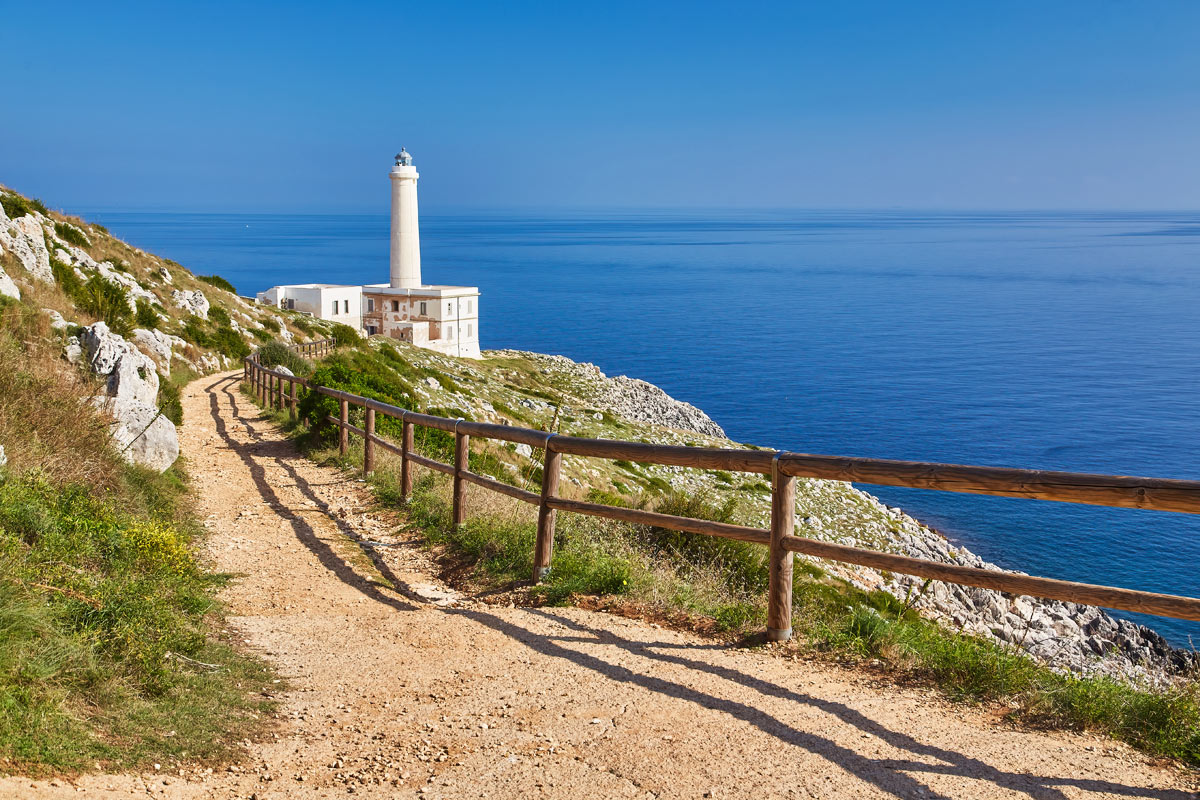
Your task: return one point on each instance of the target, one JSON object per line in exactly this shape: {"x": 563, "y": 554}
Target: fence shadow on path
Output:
{"x": 887, "y": 774}
{"x": 281, "y": 451}
{"x": 890, "y": 775}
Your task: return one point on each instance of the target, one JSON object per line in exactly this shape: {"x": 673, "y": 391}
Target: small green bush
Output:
{"x": 218, "y": 315}
{"x": 274, "y": 354}
{"x": 229, "y": 342}
{"x": 107, "y": 300}
{"x": 193, "y": 331}
{"x": 301, "y": 322}
{"x": 67, "y": 280}
{"x": 16, "y": 206}
{"x": 260, "y": 334}
{"x": 71, "y": 235}
{"x": 344, "y": 335}
{"x": 146, "y": 316}
{"x": 216, "y": 280}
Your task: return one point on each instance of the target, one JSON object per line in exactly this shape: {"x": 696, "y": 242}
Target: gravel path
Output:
{"x": 401, "y": 688}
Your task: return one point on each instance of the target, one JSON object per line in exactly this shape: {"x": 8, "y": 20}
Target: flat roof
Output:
{"x": 432, "y": 290}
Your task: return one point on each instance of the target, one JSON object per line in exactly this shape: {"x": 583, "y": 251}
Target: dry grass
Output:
{"x": 46, "y": 421}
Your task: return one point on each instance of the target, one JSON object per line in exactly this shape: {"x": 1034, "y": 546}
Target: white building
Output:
{"x": 323, "y": 300}
{"x": 437, "y": 317}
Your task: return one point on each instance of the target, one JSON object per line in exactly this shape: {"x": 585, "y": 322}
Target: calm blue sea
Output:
{"x": 1045, "y": 340}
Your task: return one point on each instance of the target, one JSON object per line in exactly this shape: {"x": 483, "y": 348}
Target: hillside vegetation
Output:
{"x": 711, "y": 585}
{"x": 110, "y": 652}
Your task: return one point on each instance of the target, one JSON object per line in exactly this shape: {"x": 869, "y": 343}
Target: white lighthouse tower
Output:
{"x": 434, "y": 316}
{"x": 406, "y": 235}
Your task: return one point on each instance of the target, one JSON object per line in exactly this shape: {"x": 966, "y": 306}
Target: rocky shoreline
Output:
{"x": 1082, "y": 640}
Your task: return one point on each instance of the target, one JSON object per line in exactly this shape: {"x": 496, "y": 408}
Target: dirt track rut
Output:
{"x": 400, "y": 690}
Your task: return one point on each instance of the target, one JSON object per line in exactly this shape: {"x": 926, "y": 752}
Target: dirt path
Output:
{"x": 398, "y": 691}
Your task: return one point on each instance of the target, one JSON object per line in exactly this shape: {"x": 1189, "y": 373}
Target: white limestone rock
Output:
{"x": 165, "y": 274}
{"x": 284, "y": 333}
{"x": 7, "y": 287}
{"x": 280, "y": 368}
{"x": 160, "y": 346}
{"x": 24, "y": 238}
{"x": 131, "y": 374}
{"x": 57, "y": 322}
{"x": 142, "y": 434}
{"x": 73, "y": 351}
{"x": 193, "y": 302}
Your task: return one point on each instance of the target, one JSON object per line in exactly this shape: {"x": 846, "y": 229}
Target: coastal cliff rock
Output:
{"x": 622, "y": 396}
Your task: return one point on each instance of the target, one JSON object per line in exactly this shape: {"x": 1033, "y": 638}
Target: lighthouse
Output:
{"x": 437, "y": 317}
{"x": 406, "y": 235}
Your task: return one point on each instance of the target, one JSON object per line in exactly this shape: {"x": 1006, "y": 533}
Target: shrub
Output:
{"x": 263, "y": 336}
{"x": 274, "y": 354}
{"x": 361, "y": 374}
{"x": 193, "y": 330}
{"x": 146, "y": 316}
{"x": 66, "y": 278}
{"x": 215, "y": 280}
{"x": 71, "y": 235}
{"x": 218, "y": 315}
{"x": 344, "y": 335}
{"x": 229, "y": 342}
{"x": 108, "y": 301}
{"x": 14, "y": 205}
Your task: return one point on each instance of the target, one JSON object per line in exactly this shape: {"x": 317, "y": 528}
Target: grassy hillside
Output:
{"x": 108, "y": 652}
{"x": 711, "y": 585}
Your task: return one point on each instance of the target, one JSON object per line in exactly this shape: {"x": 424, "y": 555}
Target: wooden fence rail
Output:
{"x": 783, "y": 469}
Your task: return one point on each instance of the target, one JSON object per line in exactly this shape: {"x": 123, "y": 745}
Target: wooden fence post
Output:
{"x": 295, "y": 399}
{"x": 783, "y": 523}
{"x": 544, "y": 549}
{"x": 343, "y": 434}
{"x": 406, "y": 473}
{"x": 369, "y": 444}
{"x": 462, "y": 450}
{"x": 258, "y": 384}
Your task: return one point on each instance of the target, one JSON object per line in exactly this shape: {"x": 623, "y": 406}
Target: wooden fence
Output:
{"x": 783, "y": 468}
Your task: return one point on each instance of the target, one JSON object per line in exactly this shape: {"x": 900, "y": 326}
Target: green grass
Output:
{"x": 99, "y": 599}
{"x": 145, "y": 316}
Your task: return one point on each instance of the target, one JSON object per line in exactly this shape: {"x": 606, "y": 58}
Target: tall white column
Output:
{"x": 406, "y": 237}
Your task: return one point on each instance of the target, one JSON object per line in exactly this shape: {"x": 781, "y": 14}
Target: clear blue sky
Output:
{"x": 298, "y": 106}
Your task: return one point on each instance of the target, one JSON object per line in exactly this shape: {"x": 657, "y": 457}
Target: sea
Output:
{"x": 1043, "y": 340}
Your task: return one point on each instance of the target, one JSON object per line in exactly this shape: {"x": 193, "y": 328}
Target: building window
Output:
{"x": 346, "y": 306}
{"x": 395, "y": 305}
{"x": 450, "y": 332}
{"x": 291, "y": 304}
{"x": 423, "y": 311}
{"x": 370, "y": 305}
{"x": 449, "y": 308}
{"x": 335, "y": 307}
{"x": 468, "y": 330}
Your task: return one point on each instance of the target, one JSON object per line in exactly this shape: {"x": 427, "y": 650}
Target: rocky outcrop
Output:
{"x": 143, "y": 435}
{"x": 623, "y": 396}
{"x": 1070, "y": 637}
{"x": 193, "y": 302}
{"x": 141, "y": 432}
{"x": 161, "y": 346}
{"x": 25, "y": 239}
{"x": 7, "y": 287}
